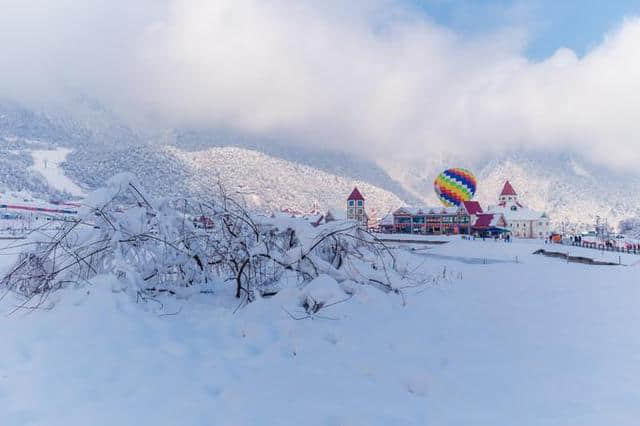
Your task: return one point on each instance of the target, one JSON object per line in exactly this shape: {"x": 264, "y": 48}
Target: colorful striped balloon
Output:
{"x": 453, "y": 186}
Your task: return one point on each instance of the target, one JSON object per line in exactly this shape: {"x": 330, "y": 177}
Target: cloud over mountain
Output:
{"x": 374, "y": 75}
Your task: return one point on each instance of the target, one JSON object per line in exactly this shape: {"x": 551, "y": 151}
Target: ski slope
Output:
{"x": 47, "y": 163}
{"x": 534, "y": 343}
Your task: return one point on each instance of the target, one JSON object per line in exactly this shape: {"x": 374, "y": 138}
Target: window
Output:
{"x": 351, "y": 203}
{"x": 359, "y": 203}
{"x": 514, "y": 208}
{"x": 359, "y": 210}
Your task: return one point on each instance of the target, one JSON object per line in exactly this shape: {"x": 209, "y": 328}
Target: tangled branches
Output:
{"x": 156, "y": 246}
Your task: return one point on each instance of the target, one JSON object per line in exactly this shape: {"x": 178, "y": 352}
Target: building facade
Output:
{"x": 521, "y": 221}
{"x": 356, "y": 208}
{"x": 427, "y": 220}
{"x": 508, "y": 217}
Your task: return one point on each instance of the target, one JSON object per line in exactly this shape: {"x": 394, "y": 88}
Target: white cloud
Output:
{"x": 372, "y": 75}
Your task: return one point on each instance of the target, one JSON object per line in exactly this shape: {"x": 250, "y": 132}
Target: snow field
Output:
{"x": 492, "y": 251}
{"x": 540, "y": 342}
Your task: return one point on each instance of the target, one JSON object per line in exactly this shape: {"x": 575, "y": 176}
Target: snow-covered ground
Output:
{"x": 521, "y": 250}
{"x": 491, "y": 251}
{"x": 47, "y": 163}
{"x": 538, "y": 342}
{"x": 415, "y": 237}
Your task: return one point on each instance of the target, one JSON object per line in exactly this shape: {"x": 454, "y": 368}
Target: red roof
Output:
{"x": 483, "y": 221}
{"x": 490, "y": 220}
{"x": 472, "y": 207}
{"x": 355, "y": 195}
{"x": 508, "y": 189}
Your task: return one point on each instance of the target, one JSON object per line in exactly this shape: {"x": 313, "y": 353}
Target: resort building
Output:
{"x": 427, "y": 220}
{"x": 468, "y": 219}
{"x": 521, "y": 221}
{"x": 509, "y": 216}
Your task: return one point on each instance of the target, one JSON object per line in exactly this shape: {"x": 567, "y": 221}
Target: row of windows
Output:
{"x": 352, "y": 203}
{"x": 524, "y": 225}
{"x": 431, "y": 219}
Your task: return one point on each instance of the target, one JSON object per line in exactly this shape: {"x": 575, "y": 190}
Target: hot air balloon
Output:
{"x": 454, "y": 186}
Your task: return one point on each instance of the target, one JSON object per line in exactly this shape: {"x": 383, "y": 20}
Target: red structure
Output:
{"x": 508, "y": 190}
{"x": 472, "y": 207}
{"x": 355, "y": 207}
{"x": 355, "y": 195}
{"x": 490, "y": 224}
{"x": 37, "y": 209}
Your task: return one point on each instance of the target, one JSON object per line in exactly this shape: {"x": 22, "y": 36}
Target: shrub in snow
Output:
{"x": 176, "y": 245}
{"x": 321, "y": 292}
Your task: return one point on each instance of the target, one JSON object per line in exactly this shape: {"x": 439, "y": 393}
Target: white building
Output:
{"x": 521, "y": 221}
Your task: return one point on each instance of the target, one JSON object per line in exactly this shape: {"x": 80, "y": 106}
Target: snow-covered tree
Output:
{"x": 178, "y": 245}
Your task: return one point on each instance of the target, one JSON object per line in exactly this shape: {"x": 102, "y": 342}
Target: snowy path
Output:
{"x": 47, "y": 163}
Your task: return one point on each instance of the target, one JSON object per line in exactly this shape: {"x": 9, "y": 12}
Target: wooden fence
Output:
{"x": 604, "y": 247}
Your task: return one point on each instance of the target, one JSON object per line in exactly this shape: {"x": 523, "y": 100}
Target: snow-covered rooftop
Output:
{"x": 516, "y": 211}
{"x": 489, "y": 220}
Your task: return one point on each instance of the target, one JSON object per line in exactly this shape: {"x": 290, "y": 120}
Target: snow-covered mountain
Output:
{"x": 265, "y": 181}
{"x": 276, "y": 183}
{"x": 274, "y": 175}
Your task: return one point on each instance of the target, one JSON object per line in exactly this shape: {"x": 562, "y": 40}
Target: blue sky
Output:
{"x": 550, "y": 24}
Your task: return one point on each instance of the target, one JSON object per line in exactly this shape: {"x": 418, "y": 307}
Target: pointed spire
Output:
{"x": 355, "y": 195}
{"x": 508, "y": 189}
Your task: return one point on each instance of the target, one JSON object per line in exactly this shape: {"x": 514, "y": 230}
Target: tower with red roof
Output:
{"x": 522, "y": 221}
{"x": 355, "y": 207}
{"x": 508, "y": 193}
